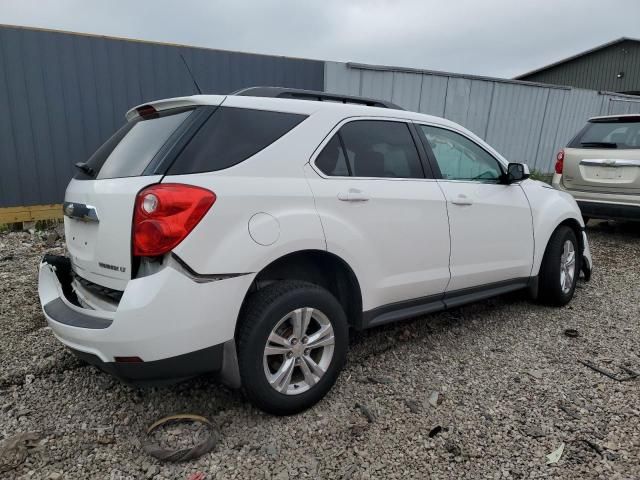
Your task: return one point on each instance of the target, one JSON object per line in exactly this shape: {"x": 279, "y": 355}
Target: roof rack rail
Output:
{"x": 300, "y": 94}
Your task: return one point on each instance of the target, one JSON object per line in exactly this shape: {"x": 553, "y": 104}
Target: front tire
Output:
{"x": 560, "y": 268}
{"x": 292, "y": 344}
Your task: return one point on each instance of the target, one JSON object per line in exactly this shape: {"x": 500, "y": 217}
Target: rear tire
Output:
{"x": 560, "y": 268}
{"x": 292, "y": 344}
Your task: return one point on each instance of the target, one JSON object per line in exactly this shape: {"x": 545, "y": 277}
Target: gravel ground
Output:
{"x": 485, "y": 391}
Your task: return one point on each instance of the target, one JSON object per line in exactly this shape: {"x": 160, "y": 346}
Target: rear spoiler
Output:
{"x": 616, "y": 118}
{"x": 177, "y": 102}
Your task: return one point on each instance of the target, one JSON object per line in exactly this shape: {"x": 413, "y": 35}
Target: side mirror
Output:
{"x": 516, "y": 172}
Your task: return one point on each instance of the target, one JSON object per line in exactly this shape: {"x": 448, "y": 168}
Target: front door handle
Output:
{"x": 462, "y": 199}
{"x": 353, "y": 195}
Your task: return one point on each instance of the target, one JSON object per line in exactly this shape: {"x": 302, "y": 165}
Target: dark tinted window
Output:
{"x": 331, "y": 160}
{"x": 128, "y": 152}
{"x": 618, "y": 134}
{"x": 378, "y": 148}
{"x": 230, "y": 136}
{"x": 459, "y": 158}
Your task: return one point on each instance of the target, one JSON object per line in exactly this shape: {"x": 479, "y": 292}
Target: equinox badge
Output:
{"x": 115, "y": 268}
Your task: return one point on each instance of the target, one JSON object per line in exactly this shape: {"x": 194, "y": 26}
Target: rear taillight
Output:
{"x": 559, "y": 161}
{"x": 165, "y": 214}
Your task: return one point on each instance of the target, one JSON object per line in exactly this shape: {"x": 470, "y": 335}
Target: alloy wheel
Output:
{"x": 298, "y": 351}
{"x": 567, "y": 266}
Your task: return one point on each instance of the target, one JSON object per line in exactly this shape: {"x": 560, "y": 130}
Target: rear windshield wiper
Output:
{"x": 84, "y": 167}
{"x": 599, "y": 144}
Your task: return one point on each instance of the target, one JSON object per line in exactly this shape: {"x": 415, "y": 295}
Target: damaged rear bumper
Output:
{"x": 165, "y": 328}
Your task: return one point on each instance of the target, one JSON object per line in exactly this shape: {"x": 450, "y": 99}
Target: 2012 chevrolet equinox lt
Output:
{"x": 247, "y": 234}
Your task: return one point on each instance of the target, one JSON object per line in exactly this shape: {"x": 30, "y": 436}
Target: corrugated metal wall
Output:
{"x": 62, "y": 95}
{"x": 597, "y": 70}
{"x": 524, "y": 122}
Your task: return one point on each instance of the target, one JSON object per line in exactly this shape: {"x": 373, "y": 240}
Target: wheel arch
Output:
{"x": 551, "y": 208}
{"x": 319, "y": 267}
{"x": 574, "y": 225}
{"x": 542, "y": 239}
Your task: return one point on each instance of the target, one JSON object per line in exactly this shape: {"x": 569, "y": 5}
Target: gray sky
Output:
{"x": 500, "y": 38}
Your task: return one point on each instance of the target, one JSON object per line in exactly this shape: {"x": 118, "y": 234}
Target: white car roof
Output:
{"x": 307, "y": 107}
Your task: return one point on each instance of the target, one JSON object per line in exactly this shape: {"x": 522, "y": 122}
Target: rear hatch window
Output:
{"x": 135, "y": 147}
{"x": 619, "y": 133}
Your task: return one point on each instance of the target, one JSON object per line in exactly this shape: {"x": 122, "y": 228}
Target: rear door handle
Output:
{"x": 353, "y": 195}
{"x": 462, "y": 199}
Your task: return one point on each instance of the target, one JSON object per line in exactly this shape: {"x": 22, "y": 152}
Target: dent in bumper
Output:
{"x": 57, "y": 309}
{"x": 160, "y": 316}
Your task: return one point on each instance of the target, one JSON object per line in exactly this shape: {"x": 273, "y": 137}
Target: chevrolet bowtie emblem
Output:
{"x": 80, "y": 211}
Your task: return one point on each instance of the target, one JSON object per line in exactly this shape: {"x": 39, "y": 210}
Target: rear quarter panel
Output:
{"x": 271, "y": 182}
{"x": 222, "y": 242}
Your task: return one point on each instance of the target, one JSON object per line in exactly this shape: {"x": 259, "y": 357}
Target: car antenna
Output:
{"x": 190, "y": 73}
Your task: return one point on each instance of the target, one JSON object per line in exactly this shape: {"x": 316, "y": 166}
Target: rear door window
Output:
{"x": 132, "y": 148}
{"x": 230, "y": 136}
{"x": 372, "y": 148}
{"x": 622, "y": 134}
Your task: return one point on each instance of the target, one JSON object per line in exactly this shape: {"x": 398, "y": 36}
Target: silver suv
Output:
{"x": 601, "y": 168}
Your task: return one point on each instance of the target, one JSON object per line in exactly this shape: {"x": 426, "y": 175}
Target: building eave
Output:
{"x": 577, "y": 55}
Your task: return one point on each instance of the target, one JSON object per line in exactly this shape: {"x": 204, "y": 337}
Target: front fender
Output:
{"x": 550, "y": 208}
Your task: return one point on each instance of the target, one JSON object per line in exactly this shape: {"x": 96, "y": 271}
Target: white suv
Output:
{"x": 247, "y": 234}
